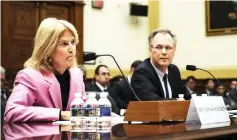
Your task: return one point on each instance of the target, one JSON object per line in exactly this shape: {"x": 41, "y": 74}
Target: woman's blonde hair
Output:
{"x": 45, "y": 42}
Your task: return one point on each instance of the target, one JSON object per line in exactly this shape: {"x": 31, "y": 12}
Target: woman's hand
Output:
{"x": 65, "y": 115}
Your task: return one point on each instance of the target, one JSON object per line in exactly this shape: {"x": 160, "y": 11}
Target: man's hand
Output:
{"x": 65, "y": 115}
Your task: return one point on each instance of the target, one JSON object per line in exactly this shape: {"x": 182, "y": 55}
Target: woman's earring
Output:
{"x": 48, "y": 59}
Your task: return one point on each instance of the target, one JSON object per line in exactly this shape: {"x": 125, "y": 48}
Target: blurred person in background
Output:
{"x": 115, "y": 80}
{"x": 100, "y": 83}
{"x": 233, "y": 84}
{"x": 220, "y": 89}
{"x": 190, "y": 85}
{"x": 45, "y": 88}
{"x": 209, "y": 87}
{"x": 5, "y": 91}
{"x": 229, "y": 101}
{"x": 123, "y": 92}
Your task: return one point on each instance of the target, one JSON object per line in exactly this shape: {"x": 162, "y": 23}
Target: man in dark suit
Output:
{"x": 190, "y": 85}
{"x": 100, "y": 84}
{"x": 122, "y": 89}
{"x": 156, "y": 78}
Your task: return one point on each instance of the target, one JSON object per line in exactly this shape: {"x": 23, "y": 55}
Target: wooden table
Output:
{"x": 175, "y": 131}
{"x": 165, "y": 130}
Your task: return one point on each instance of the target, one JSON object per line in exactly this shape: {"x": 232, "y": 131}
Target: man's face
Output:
{"x": 220, "y": 90}
{"x": 191, "y": 84}
{"x": 210, "y": 85}
{"x": 162, "y": 50}
{"x": 103, "y": 76}
{"x": 233, "y": 84}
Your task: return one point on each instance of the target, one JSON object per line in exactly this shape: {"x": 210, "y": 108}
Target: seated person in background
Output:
{"x": 100, "y": 84}
{"x": 220, "y": 89}
{"x": 233, "y": 84}
{"x": 115, "y": 80}
{"x": 122, "y": 89}
{"x": 190, "y": 85}
{"x": 232, "y": 95}
{"x": 44, "y": 90}
{"x": 5, "y": 92}
{"x": 156, "y": 78}
{"x": 222, "y": 92}
{"x": 209, "y": 87}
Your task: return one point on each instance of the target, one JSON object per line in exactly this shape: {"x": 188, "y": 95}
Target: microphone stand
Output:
{"x": 122, "y": 74}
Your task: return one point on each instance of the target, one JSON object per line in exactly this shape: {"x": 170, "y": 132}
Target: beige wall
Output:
{"x": 215, "y": 53}
{"x": 112, "y": 30}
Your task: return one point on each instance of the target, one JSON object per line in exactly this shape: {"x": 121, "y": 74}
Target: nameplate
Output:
{"x": 207, "y": 110}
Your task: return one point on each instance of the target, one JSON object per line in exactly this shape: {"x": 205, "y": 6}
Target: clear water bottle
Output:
{"x": 75, "y": 135}
{"x": 181, "y": 97}
{"x": 91, "y": 105}
{"x": 103, "y": 135}
{"x": 77, "y": 109}
{"x": 104, "y": 121}
{"x": 193, "y": 95}
{"x": 104, "y": 104}
{"x": 204, "y": 95}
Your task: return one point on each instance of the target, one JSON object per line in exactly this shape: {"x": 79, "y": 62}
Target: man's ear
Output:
{"x": 96, "y": 76}
{"x": 150, "y": 50}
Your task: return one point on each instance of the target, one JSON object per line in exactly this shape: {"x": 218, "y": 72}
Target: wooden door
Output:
{"x": 19, "y": 24}
{"x": 57, "y": 10}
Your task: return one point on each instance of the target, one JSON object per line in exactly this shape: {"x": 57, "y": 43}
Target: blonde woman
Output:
{"x": 44, "y": 90}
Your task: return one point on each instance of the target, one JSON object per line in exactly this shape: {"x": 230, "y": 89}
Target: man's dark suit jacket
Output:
{"x": 147, "y": 84}
{"x": 91, "y": 86}
{"x": 124, "y": 93}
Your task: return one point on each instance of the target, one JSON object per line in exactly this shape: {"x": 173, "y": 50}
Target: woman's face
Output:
{"x": 221, "y": 90}
{"x": 65, "y": 51}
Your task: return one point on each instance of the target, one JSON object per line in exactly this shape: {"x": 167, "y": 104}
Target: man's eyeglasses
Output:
{"x": 160, "y": 48}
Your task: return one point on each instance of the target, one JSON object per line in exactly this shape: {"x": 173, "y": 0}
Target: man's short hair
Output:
{"x": 98, "y": 68}
{"x": 191, "y": 77}
{"x": 136, "y": 63}
{"x": 161, "y": 30}
{"x": 207, "y": 80}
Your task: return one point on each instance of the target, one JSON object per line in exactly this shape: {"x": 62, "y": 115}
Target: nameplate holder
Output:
{"x": 207, "y": 110}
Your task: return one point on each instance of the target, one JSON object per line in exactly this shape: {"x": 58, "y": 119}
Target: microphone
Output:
{"x": 191, "y": 67}
{"x": 194, "y": 68}
{"x": 88, "y": 56}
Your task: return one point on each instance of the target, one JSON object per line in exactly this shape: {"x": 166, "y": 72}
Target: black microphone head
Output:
{"x": 191, "y": 67}
{"x": 88, "y": 56}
